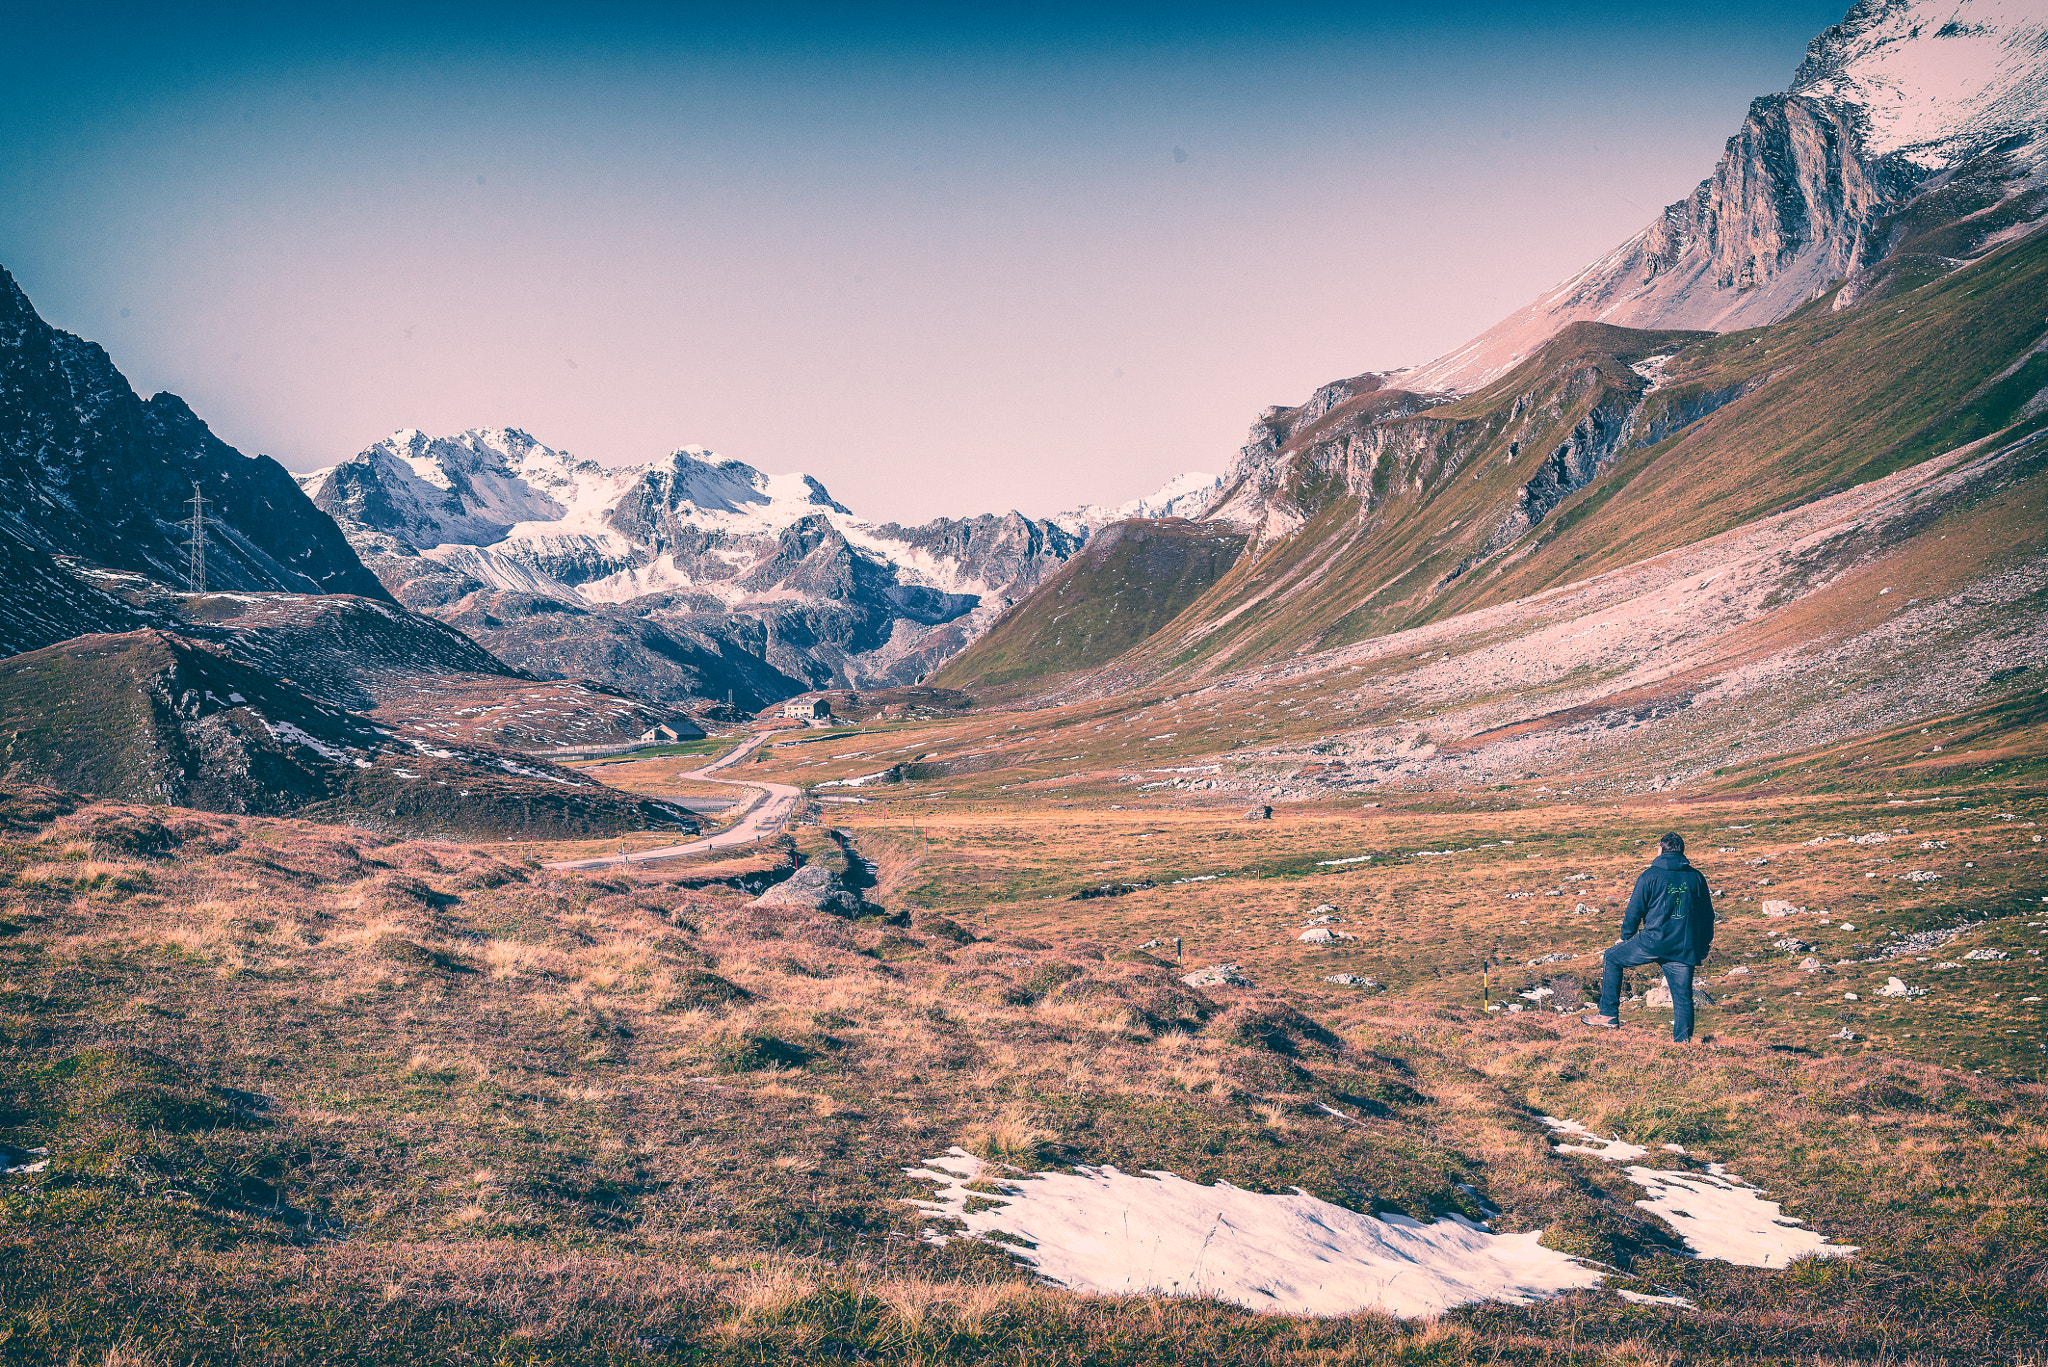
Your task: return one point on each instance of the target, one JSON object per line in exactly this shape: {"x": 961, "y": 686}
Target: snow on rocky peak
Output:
{"x": 471, "y": 488}
{"x": 475, "y": 528}
{"x": 494, "y": 484}
{"x": 1936, "y": 80}
{"x": 709, "y": 490}
{"x": 1938, "y": 104}
{"x": 1185, "y": 495}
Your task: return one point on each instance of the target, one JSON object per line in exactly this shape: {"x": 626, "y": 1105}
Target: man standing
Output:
{"x": 1669, "y": 921}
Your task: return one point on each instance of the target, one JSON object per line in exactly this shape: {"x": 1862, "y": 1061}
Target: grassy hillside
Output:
{"x": 1128, "y": 581}
{"x": 1386, "y": 522}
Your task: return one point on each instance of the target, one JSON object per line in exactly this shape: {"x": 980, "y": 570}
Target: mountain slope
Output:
{"x": 1914, "y": 135}
{"x": 1371, "y": 511}
{"x": 89, "y": 469}
{"x": 1131, "y": 579}
{"x": 153, "y": 717}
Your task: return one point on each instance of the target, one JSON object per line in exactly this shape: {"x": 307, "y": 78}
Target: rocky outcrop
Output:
{"x": 1258, "y": 493}
{"x": 815, "y": 888}
{"x": 1572, "y": 409}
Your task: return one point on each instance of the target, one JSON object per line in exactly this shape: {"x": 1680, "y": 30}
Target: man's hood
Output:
{"x": 1670, "y": 861}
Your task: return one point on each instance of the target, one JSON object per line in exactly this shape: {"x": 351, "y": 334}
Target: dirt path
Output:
{"x": 770, "y": 807}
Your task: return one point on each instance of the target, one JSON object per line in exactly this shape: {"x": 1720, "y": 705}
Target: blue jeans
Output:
{"x": 1677, "y": 976}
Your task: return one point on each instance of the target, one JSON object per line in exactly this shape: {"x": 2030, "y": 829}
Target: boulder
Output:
{"x": 1259, "y": 814}
{"x": 1322, "y": 935}
{"x": 1353, "y": 980}
{"x": 815, "y": 887}
{"x": 1659, "y": 998}
{"x": 1774, "y": 907}
{"x": 1223, "y": 975}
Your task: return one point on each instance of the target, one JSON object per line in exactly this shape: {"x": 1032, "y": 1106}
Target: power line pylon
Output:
{"x": 195, "y": 563}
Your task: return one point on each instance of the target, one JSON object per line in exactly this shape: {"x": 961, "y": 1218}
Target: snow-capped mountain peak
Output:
{"x": 489, "y": 484}
{"x": 1185, "y": 495}
{"x": 1936, "y": 80}
{"x": 472, "y": 487}
{"x": 706, "y": 488}
{"x": 1909, "y": 116}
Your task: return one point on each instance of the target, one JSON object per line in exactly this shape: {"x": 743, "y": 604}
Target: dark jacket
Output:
{"x": 1671, "y": 914}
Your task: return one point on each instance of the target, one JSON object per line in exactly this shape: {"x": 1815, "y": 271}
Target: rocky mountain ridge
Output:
{"x": 89, "y": 469}
{"x": 1185, "y": 495}
{"x": 1913, "y": 136}
{"x": 1372, "y": 510}
{"x": 694, "y": 576}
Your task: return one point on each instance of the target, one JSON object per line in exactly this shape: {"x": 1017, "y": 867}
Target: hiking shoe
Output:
{"x": 1604, "y": 1022}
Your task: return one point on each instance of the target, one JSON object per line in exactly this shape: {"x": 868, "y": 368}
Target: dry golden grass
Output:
{"x": 490, "y": 1084}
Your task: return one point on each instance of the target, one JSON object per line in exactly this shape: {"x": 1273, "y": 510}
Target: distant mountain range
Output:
{"x": 695, "y": 576}
{"x": 1187, "y": 495}
{"x": 253, "y": 695}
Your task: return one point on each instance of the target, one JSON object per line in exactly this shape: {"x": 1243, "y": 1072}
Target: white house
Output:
{"x": 810, "y": 709}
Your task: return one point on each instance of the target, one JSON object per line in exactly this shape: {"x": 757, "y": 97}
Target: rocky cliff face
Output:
{"x": 1362, "y": 456}
{"x": 695, "y": 577}
{"x": 1914, "y": 136}
{"x": 89, "y": 469}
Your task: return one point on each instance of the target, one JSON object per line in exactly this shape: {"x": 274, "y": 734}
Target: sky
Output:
{"x": 946, "y": 261}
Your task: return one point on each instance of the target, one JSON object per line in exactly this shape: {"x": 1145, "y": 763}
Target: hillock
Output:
{"x": 154, "y": 717}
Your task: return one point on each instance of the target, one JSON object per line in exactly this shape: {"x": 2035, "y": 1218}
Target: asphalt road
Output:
{"x": 771, "y": 804}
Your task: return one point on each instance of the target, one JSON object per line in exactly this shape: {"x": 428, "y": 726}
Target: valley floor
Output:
{"x": 278, "y": 1092}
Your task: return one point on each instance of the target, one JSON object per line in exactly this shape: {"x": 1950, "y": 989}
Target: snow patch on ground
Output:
{"x": 292, "y": 735}
{"x": 856, "y": 782}
{"x": 1110, "y": 1232}
{"x": 512, "y": 767}
{"x": 1644, "y": 1298}
{"x": 1613, "y": 1150}
{"x": 1718, "y": 1214}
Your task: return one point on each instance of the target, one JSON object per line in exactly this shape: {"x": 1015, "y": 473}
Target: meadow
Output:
{"x": 308, "y": 1094}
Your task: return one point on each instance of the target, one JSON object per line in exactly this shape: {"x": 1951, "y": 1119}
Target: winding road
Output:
{"x": 771, "y": 806}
